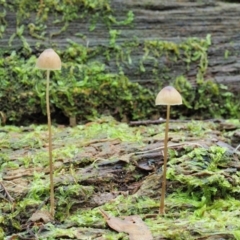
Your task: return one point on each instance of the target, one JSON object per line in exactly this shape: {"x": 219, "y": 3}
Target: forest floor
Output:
{"x": 106, "y": 169}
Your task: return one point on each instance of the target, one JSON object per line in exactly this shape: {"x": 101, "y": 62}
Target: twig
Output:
{"x": 149, "y": 122}
{"x": 236, "y": 149}
{"x": 5, "y": 193}
{"x": 170, "y": 146}
{"x": 104, "y": 214}
{"x": 159, "y": 121}
{"x": 148, "y": 155}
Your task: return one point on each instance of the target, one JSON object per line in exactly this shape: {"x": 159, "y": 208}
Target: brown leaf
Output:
{"x": 133, "y": 225}
{"x": 102, "y": 198}
{"x": 41, "y": 216}
{"x": 126, "y": 157}
{"x": 17, "y": 187}
{"x": 10, "y": 174}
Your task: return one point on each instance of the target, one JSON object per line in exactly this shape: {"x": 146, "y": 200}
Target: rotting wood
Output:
{"x": 162, "y": 20}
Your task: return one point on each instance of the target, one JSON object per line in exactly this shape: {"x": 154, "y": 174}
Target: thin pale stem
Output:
{"x": 162, "y": 207}
{"x": 52, "y": 211}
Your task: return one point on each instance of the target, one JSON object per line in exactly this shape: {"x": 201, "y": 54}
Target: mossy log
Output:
{"x": 175, "y": 21}
{"x": 149, "y": 42}
{"x": 171, "y": 21}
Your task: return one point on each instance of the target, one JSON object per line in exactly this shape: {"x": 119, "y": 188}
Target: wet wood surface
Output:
{"x": 172, "y": 20}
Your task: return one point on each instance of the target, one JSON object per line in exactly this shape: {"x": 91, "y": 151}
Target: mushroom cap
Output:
{"x": 49, "y": 60}
{"x": 168, "y": 96}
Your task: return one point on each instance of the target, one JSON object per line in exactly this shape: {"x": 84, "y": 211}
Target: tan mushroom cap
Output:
{"x": 168, "y": 96}
{"x": 49, "y": 60}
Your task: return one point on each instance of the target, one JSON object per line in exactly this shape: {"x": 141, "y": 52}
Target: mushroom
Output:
{"x": 167, "y": 96}
{"x": 49, "y": 60}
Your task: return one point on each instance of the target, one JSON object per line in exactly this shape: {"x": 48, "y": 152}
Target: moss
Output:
{"x": 87, "y": 87}
{"x": 203, "y": 184}
{"x": 207, "y": 99}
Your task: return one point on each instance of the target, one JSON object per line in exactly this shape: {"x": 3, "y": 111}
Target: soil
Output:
{"x": 116, "y": 168}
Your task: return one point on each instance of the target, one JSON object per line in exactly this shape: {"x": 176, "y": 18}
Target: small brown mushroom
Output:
{"x": 49, "y": 60}
{"x": 167, "y": 96}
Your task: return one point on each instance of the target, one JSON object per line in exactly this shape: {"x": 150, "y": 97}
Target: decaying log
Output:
{"x": 177, "y": 20}
{"x": 171, "y": 20}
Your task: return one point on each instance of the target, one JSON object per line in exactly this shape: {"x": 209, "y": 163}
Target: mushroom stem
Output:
{"x": 162, "y": 207}
{"x": 50, "y": 147}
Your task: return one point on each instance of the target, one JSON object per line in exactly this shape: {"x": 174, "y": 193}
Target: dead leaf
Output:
{"x": 10, "y": 174}
{"x": 5, "y": 194}
{"x": 17, "y": 187}
{"x": 148, "y": 164}
{"x": 103, "y": 198}
{"x": 133, "y": 225}
{"x": 126, "y": 157}
{"x": 41, "y": 216}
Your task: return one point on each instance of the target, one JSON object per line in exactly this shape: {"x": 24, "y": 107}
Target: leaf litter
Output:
{"x": 133, "y": 225}
{"x": 111, "y": 169}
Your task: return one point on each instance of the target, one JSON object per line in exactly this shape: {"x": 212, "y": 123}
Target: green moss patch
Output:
{"x": 109, "y": 165}
{"x": 95, "y": 77}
